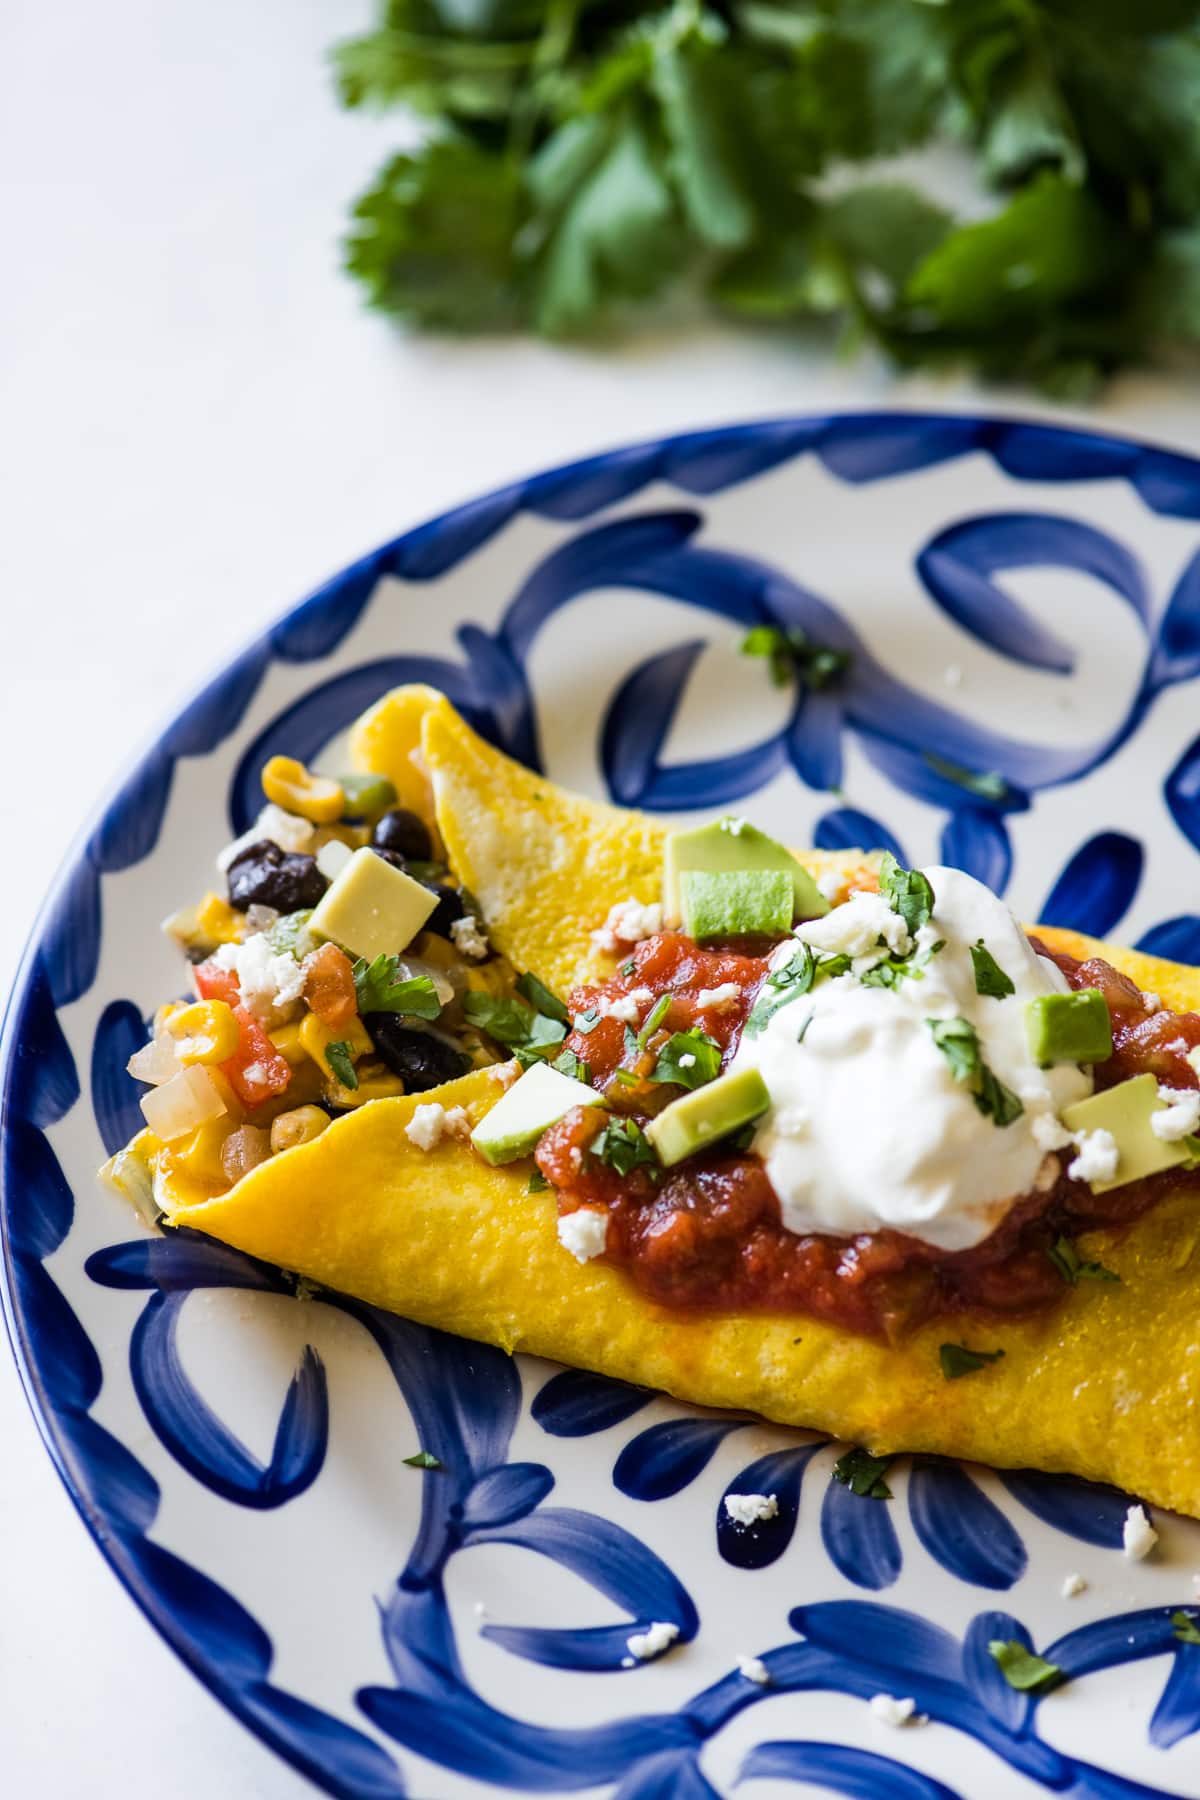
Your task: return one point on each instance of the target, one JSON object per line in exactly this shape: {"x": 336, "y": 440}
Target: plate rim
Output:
{"x": 521, "y": 489}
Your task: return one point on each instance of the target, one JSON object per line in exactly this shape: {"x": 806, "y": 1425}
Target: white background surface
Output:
{"x": 198, "y": 423}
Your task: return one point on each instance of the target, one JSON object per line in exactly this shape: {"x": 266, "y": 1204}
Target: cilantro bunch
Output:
{"x": 584, "y": 155}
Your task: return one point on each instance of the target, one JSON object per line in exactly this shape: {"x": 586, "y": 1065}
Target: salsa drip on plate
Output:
{"x": 707, "y": 1234}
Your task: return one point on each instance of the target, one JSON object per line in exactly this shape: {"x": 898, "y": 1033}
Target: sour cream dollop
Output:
{"x": 867, "y": 1127}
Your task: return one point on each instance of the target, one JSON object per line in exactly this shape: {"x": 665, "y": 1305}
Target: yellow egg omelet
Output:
{"x": 1105, "y": 1385}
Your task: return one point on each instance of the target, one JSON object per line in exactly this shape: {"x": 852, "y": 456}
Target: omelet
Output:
{"x": 1104, "y": 1385}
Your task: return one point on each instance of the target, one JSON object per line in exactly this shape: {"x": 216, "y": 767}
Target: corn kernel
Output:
{"x": 205, "y": 1032}
{"x": 287, "y": 783}
{"x": 316, "y": 1038}
{"x": 493, "y": 978}
{"x": 287, "y": 1041}
{"x": 300, "y": 1126}
{"x": 198, "y": 1156}
{"x": 375, "y": 1082}
{"x": 218, "y": 923}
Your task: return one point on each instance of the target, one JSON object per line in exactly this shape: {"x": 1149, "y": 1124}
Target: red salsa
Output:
{"x": 708, "y": 1234}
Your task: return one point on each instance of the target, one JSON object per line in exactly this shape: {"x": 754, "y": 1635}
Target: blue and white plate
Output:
{"x": 1022, "y": 600}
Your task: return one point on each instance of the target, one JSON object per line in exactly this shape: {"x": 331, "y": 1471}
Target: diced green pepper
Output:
{"x": 1069, "y": 1028}
{"x": 366, "y": 795}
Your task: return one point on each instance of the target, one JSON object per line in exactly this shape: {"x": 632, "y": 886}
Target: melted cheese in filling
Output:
{"x": 868, "y": 1127}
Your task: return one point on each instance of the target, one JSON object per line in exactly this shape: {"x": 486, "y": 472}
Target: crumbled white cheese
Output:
{"x": 254, "y": 1075}
{"x": 734, "y": 827}
{"x": 952, "y": 675}
{"x": 505, "y": 1073}
{"x": 1072, "y": 1584}
{"x": 1152, "y": 1002}
{"x": 748, "y": 1509}
{"x": 643, "y": 995}
{"x": 646, "y": 1645}
{"x": 469, "y": 940}
{"x": 1049, "y": 1132}
{"x": 624, "y": 1007}
{"x": 753, "y": 1668}
{"x": 333, "y": 857}
{"x": 584, "y": 1233}
{"x": 269, "y": 982}
{"x": 687, "y": 1060}
{"x": 628, "y": 922}
{"x": 1097, "y": 1159}
{"x": 431, "y": 1122}
{"x": 1180, "y": 1116}
{"x": 896, "y": 1713}
{"x": 855, "y": 928}
{"x": 830, "y": 885}
{"x": 279, "y": 827}
{"x": 1138, "y": 1536}
{"x": 719, "y": 999}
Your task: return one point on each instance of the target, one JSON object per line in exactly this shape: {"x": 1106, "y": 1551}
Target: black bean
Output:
{"x": 420, "y": 1059}
{"x": 265, "y": 875}
{"x": 449, "y": 908}
{"x": 404, "y": 833}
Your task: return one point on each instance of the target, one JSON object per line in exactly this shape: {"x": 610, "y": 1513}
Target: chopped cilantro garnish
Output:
{"x": 380, "y": 988}
{"x": 957, "y": 1360}
{"x": 702, "y": 1054}
{"x": 622, "y": 1145}
{"x": 586, "y": 1021}
{"x": 654, "y": 1019}
{"x": 894, "y": 969}
{"x": 625, "y": 1077}
{"x": 341, "y": 1060}
{"x": 863, "y": 1474}
{"x": 531, "y": 1034}
{"x": 1185, "y": 1627}
{"x": 567, "y": 1063}
{"x": 907, "y": 892}
{"x": 541, "y": 999}
{"x": 791, "y": 653}
{"x": 987, "y": 786}
{"x": 1067, "y": 1261}
{"x": 1022, "y": 1668}
{"x": 537, "y": 1183}
{"x": 290, "y": 936}
{"x": 990, "y": 978}
{"x": 797, "y": 976}
{"x": 424, "y": 1459}
{"x": 958, "y": 1042}
{"x": 627, "y": 968}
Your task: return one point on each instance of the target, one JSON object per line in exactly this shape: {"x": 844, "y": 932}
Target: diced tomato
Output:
{"x": 329, "y": 986}
{"x": 213, "y": 983}
{"x": 257, "y": 1052}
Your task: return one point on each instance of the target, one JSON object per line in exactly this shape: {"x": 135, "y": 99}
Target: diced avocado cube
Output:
{"x": 730, "y": 847}
{"x": 712, "y": 1112}
{"x": 1126, "y": 1111}
{"x": 538, "y": 1100}
{"x": 372, "y": 909}
{"x": 1069, "y": 1028}
{"x": 753, "y": 903}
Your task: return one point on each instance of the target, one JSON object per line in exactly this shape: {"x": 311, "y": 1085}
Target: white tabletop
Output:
{"x": 199, "y": 422}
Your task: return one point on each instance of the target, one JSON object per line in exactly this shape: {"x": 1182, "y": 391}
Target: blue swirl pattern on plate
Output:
{"x": 466, "y": 1400}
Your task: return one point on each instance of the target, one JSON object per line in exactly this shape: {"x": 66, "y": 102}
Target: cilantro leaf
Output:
{"x": 340, "y": 1058}
{"x": 894, "y": 969}
{"x": 990, "y": 978}
{"x": 513, "y": 1023}
{"x": 794, "y": 978}
{"x": 540, "y": 998}
{"x": 380, "y": 988}
{"x": 957, "y": 1360}
{"x": 688, "y": 1058}
{"x": 622, "y": 1145}
{"x": 424, "y": 1459}
{"x": 907, "y": 892}
{"x": 792, "y": 655}
{"x": 958, "y": 1042}
{"x": 567, "y": 1063}
{"x": 1185, "y": 1628}
{"x": 863, "y": 1474}
{"x": 1066, "y": 1260}
{"x": 653, "y": 1020}
{"x": 1022, "y": 1668}
{"x": 537, "y": 1183}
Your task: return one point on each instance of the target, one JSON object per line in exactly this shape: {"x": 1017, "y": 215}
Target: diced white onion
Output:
{"x": 155, "y": 1062}
{"x": 332, "y": 858}
{"x": 188, "y": 1100}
